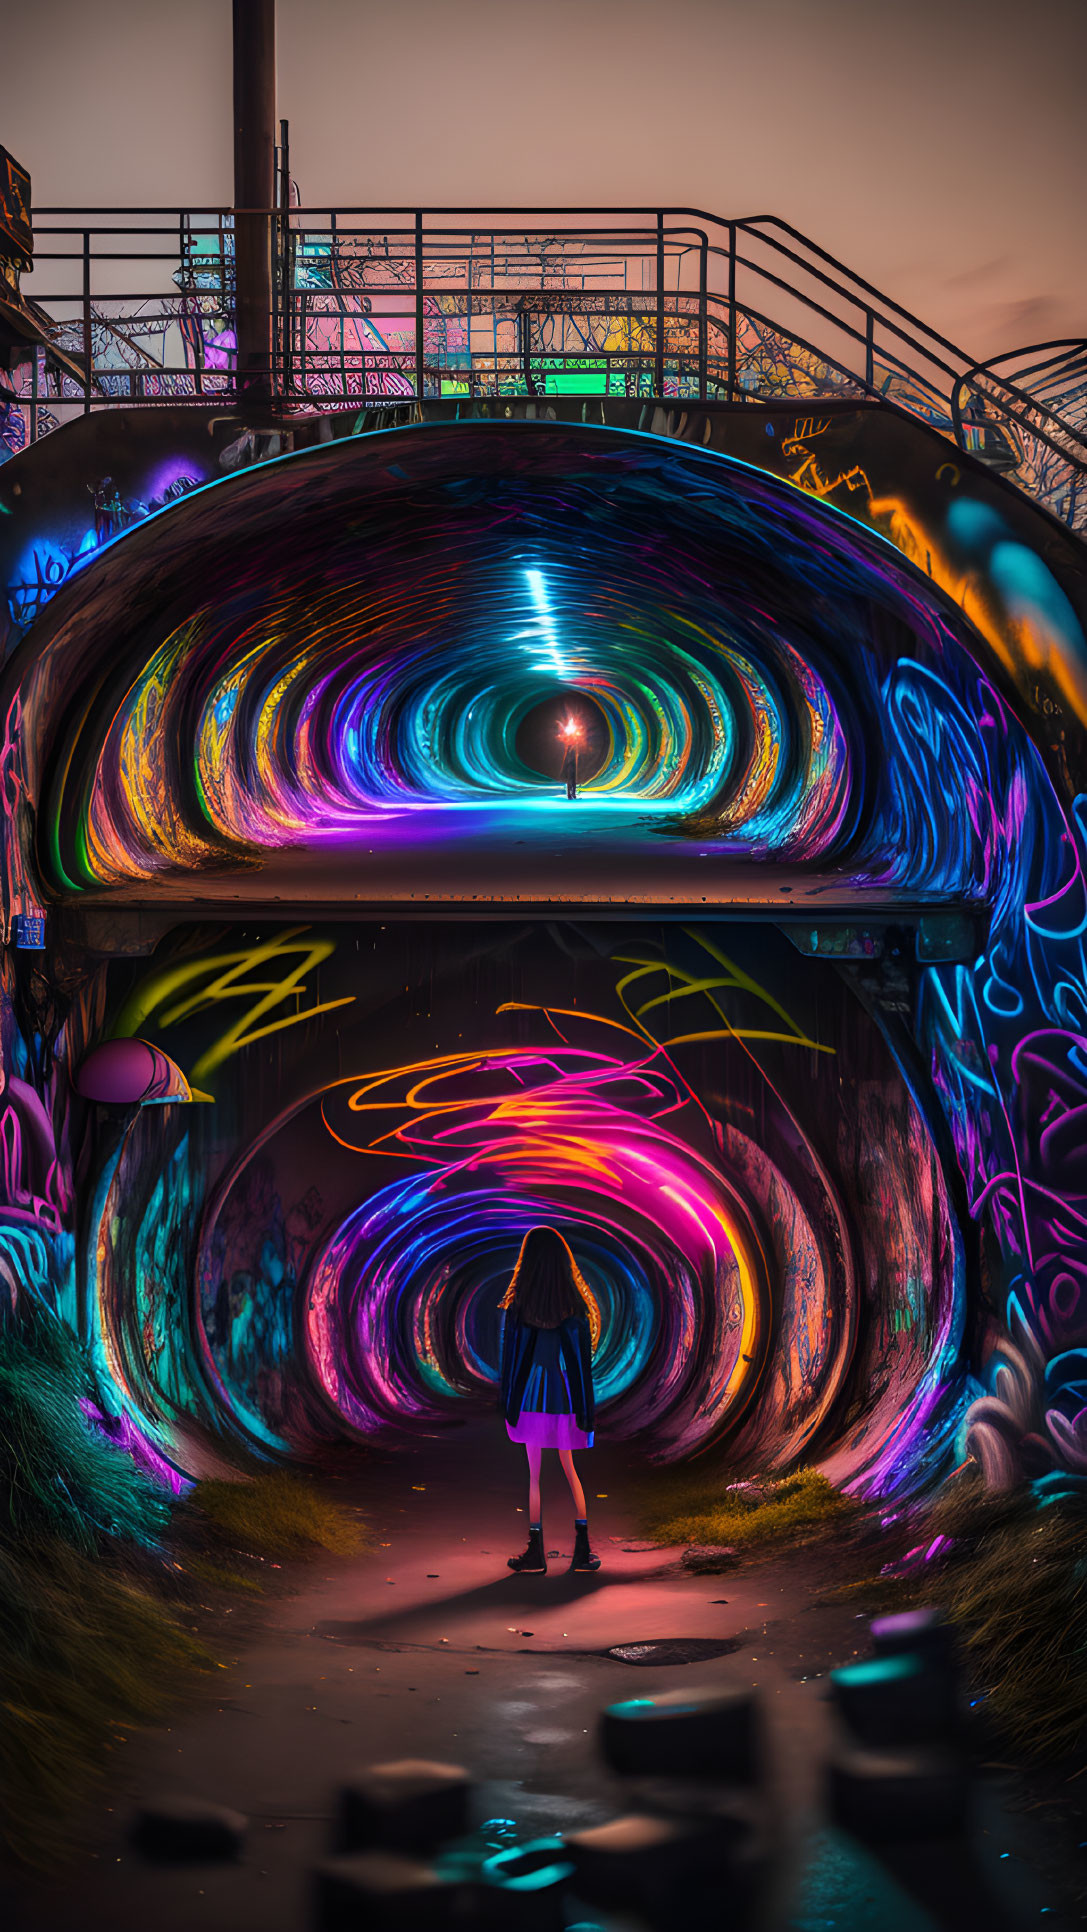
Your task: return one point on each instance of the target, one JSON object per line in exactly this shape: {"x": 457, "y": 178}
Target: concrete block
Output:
{"x": 410, "y": 1805}
{"x": 896, "y": 1700}
{"x": 741, "y": 1823}
{"x": 898, "y": 1794}
{"x": 684, "y": 1734}
{"x": 926, "y": 1633}
{"x": 184, "y": 1830}
{"x": 378, "y": 1891}
{"x": 640, "y": 1859}
{"x": 738, "y": 1814}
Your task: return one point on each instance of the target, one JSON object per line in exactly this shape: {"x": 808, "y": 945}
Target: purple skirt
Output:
{"x": 541, "y": 1430}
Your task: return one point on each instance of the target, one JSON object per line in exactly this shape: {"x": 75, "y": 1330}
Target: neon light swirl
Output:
{"x": 361, "y": 681}
{"x": 314, "y": 745}
{"x": 402, "y": 1304}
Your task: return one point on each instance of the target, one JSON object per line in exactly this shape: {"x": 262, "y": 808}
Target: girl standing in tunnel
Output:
{"x": 550, "y": 1327}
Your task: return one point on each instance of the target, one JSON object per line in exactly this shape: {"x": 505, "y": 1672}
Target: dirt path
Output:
{"x": 428, "y": 1646}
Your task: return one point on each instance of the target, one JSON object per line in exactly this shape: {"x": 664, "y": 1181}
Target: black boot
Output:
{"x": 532, "y": 1557}
{"x": 584, "y": 1557}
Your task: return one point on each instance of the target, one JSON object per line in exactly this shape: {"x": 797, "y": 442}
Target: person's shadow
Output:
{"x": 513, "y": 1592}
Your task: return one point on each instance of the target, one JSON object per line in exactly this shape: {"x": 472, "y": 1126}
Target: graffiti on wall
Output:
{"x": 49, "y": 561}
{"x": 354, "y": 1248}
{"x": 261, "y": 975}
{"x": 811, "y": 704}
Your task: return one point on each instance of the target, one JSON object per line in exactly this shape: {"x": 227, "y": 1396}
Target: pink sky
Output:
{"x": 938, "y": 148}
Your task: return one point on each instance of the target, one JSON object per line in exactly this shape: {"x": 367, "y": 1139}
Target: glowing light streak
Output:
{"x": 335, "y": 716}
{"x": 537, "y": 588}
{"x": 224, "y": 976}
{"x": 568, "y": 1134}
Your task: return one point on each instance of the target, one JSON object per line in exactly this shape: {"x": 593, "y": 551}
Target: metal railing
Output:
{"x": 384, "y": 306}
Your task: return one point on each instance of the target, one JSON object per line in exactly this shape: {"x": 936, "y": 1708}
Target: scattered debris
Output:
{"x": 672, "y": 1650}
{"x": 710, "y": 1559}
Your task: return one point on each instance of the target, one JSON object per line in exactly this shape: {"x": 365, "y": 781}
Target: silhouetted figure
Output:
{"x": 569, "y": 770}
{"x": 550, "y": 1325}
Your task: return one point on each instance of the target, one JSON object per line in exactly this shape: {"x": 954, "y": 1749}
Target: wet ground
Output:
{"x": 427, "y": 1646}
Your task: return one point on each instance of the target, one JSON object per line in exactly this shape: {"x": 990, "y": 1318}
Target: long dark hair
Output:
{"x": 547, "y": 1286}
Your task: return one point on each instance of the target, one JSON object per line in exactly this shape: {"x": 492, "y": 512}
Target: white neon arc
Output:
{"x": 546, "y": 630}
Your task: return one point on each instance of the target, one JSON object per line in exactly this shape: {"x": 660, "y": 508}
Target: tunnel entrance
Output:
{"x": 801, "y": 726}
{"x": 716, "y": 1125}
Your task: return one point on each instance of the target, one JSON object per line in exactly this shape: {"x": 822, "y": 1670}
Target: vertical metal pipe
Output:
{"x": 286, "y": 264}
{"x": 190, "y": 300}
{"x": 869, "y": 350}
{"x": 659, "y": 378}
{"x": 303, "y": 316}
{"x": 468, "y": 315}
{"x": 703, "y": 320}
{"x": 419, "y": 377}
{"x": 254, "y": 169}
{"x": 277, "y": 330}
{"x": 341, "y": 315}
{"x": 524, "y": 337}
{"x": 732, "y": 311}
{"x": 88, "y": 346}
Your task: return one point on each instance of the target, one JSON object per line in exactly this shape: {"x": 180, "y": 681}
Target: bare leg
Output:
{"x": 535, "y": 1455}
{"x": 566, "y": 1458}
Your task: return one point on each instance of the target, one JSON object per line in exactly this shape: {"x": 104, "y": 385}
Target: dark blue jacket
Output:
{"x": 565, "y": 1357}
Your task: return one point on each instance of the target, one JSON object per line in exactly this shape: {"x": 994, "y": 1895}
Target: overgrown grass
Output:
{"x": 218, "y": 1576}
{"x": 1014, "y": 1582}
{"x": 877, "y": 1594}
{"x": 741, "y": 1515}
{"x": 87, "y": 1653}
{"x": 1017, "y": 1589}
{"x": 277, "y": 1515}
{"x": 59, "y": 1476}
{"x": 91, "y": 1593}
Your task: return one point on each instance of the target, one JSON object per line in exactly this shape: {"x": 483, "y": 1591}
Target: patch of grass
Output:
{"x": 968, "y": 1512}
{"x": 1014, "y": 1583}
{"x": 61, "y": 1478}
{"x": 277, "y": 1515}
{"x": 1019, "y": 1598}
{"x": 86, "y": 1648}
{"x": 743, "y": 1514}
{"x": 220, "y": 1578}
{"x": 95, "y": 1603}
{"x": 878, "y": 1595}
{"x": 87, "y": 1653}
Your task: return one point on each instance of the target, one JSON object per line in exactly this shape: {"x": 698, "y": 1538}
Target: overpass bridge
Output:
{"x": 369, "y": 309}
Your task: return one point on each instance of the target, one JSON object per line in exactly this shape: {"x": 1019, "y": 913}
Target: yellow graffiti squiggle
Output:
{"x": 228, "y": 976}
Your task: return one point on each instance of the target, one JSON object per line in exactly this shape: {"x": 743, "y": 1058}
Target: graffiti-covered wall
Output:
{"x": 336, "y": 682}
{"x": 369, "y": 1169}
